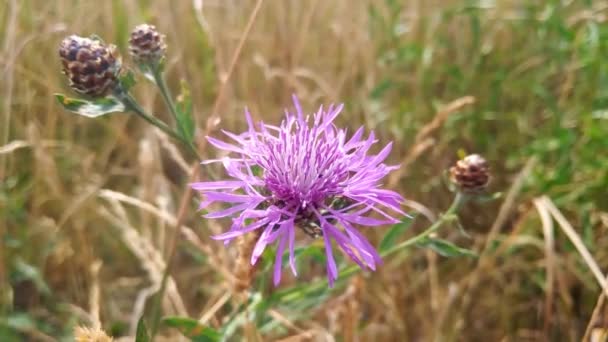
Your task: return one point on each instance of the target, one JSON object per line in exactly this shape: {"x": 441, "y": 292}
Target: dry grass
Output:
{"x": 90, "y": 207}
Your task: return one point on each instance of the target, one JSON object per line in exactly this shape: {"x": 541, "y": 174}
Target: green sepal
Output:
{"x": 127, "y": 80}
{"x": 148, "y": 69}
{"x": 91, "y": 108}
{"x": 97, "y": 38}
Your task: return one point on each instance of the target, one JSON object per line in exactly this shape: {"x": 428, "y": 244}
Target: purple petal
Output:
{"x": 239, "y": 232}
{"x": 343, "y": 242}
{"x": 261, "y": 245}
{"x": 364, "y": 246}
{"x": 218, "y": 185}
{"x": 225, "y": 146}
{"x": 278, "y": 263}
{"x": 215, "y": 196}
{"x": 332, "y": 271}
{"x": 296, "y": 103}
{"x": 366, "y": 221}
{"x": 230, "y": 211}
{"x": 292, "y": 262}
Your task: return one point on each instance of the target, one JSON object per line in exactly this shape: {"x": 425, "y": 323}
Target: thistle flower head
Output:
{"x": 470, "y": 174}
{"x": 304, "y": 174}
{"x": 91, "y": 66}
{"x": 146, "y": 44}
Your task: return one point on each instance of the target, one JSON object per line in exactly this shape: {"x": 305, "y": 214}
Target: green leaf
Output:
{"x": 142, "y": 331}
{"x": 127, "y": 80}
{"x": 446, "y": 248}
{"x": 192, "y": 329}
{"x": 380, "y": 89}
{"x": 93, "y": 108}
{"x": 397, "y": 230}
{"x": 25, "y": 271}
{"x": 184, "y": 113}
{"x": 97, "y": 38}
{"x": 246, "y": 312}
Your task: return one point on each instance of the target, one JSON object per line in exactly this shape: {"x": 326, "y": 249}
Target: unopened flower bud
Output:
{"x": 471, "y": 174}
{"x": 91, "y": 66}
{"x": 147, "y": 45}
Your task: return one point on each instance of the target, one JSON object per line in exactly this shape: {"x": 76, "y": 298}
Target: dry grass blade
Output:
{"x": 594, "y": 318}
{"x": 94, "y": 294}
{"x": 486, "y": 259}
{"x": 423, "y": 142}
{"x": 151, "y": 260}
{"x": 442, "y": 115}
{"x": 285, "y": 321}
{"x": 84, "y": 334}
{"x": 507, "y": 207}
{"x": 187, "y": 232}
{"x": 19, "y": 144}
{"x": 548, "y": 233}
{"x": 577, "y": 242}
{"x": 587, "y": 257}
{"x": 214, "y": 308}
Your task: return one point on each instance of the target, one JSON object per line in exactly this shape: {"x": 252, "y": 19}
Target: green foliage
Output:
{"x": 537, "y": 70}
{"x": 127, "y": 80}
{"x": 391, "y": 236}
{"x": 142, "y": 335}
{"x": 185, "y": 120}
{"x": 445, "y": 248}
{"x": 91, "y": 108}
{"x": 192, "y": 329}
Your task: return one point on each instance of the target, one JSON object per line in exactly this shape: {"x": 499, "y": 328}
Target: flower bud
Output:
{"x": 147, "y": 45}
{"x": 90, "y": 65}
{"x": 471, "y": 174}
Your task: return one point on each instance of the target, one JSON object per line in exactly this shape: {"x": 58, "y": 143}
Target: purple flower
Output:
{"x": 303, "y": 174}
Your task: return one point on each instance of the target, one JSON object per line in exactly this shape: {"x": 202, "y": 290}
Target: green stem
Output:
{"x": 168, "y": 98}
{"x": 166, "y": 93}
{"x": 132, "y": 105}
{"x": 448, "y": 216}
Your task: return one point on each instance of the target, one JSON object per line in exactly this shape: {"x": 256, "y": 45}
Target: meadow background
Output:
{"x": 87, "y": 207}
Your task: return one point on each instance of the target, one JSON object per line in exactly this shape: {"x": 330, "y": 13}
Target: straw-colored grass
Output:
{"x": 89, "y": 208}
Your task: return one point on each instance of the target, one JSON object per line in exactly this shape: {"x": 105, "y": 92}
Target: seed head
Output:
{"x": 90, "y": 65}
{"x": 470, "y": 174}
{"x": 146, "y": 44}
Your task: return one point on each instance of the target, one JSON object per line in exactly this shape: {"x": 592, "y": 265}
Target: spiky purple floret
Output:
{"x": 298, "y": 174}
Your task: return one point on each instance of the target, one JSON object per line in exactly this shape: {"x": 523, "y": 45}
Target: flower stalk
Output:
{"x": 168, "y": 99}
{"x": 449, "y": 216}
{"x": 132, "y": 105}
{"x": 446, "y": 217}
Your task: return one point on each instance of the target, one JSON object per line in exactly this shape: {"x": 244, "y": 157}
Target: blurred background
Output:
{"x": 87, "y": 206}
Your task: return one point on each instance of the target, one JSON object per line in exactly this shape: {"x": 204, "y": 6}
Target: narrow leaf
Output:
{"x": 192, "y": 329}
{"x": 142, "y": 331}
{"x": 184, "y": 113}
{"x": 446, "y": 248}
{"x": 93, "y": 108}
{"x": 397, "y": 230}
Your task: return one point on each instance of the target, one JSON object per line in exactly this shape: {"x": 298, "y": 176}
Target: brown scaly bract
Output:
{"x": 146, "y": 44}
{"x": 470, "y": 174}
{"x": 91, "y": 66}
